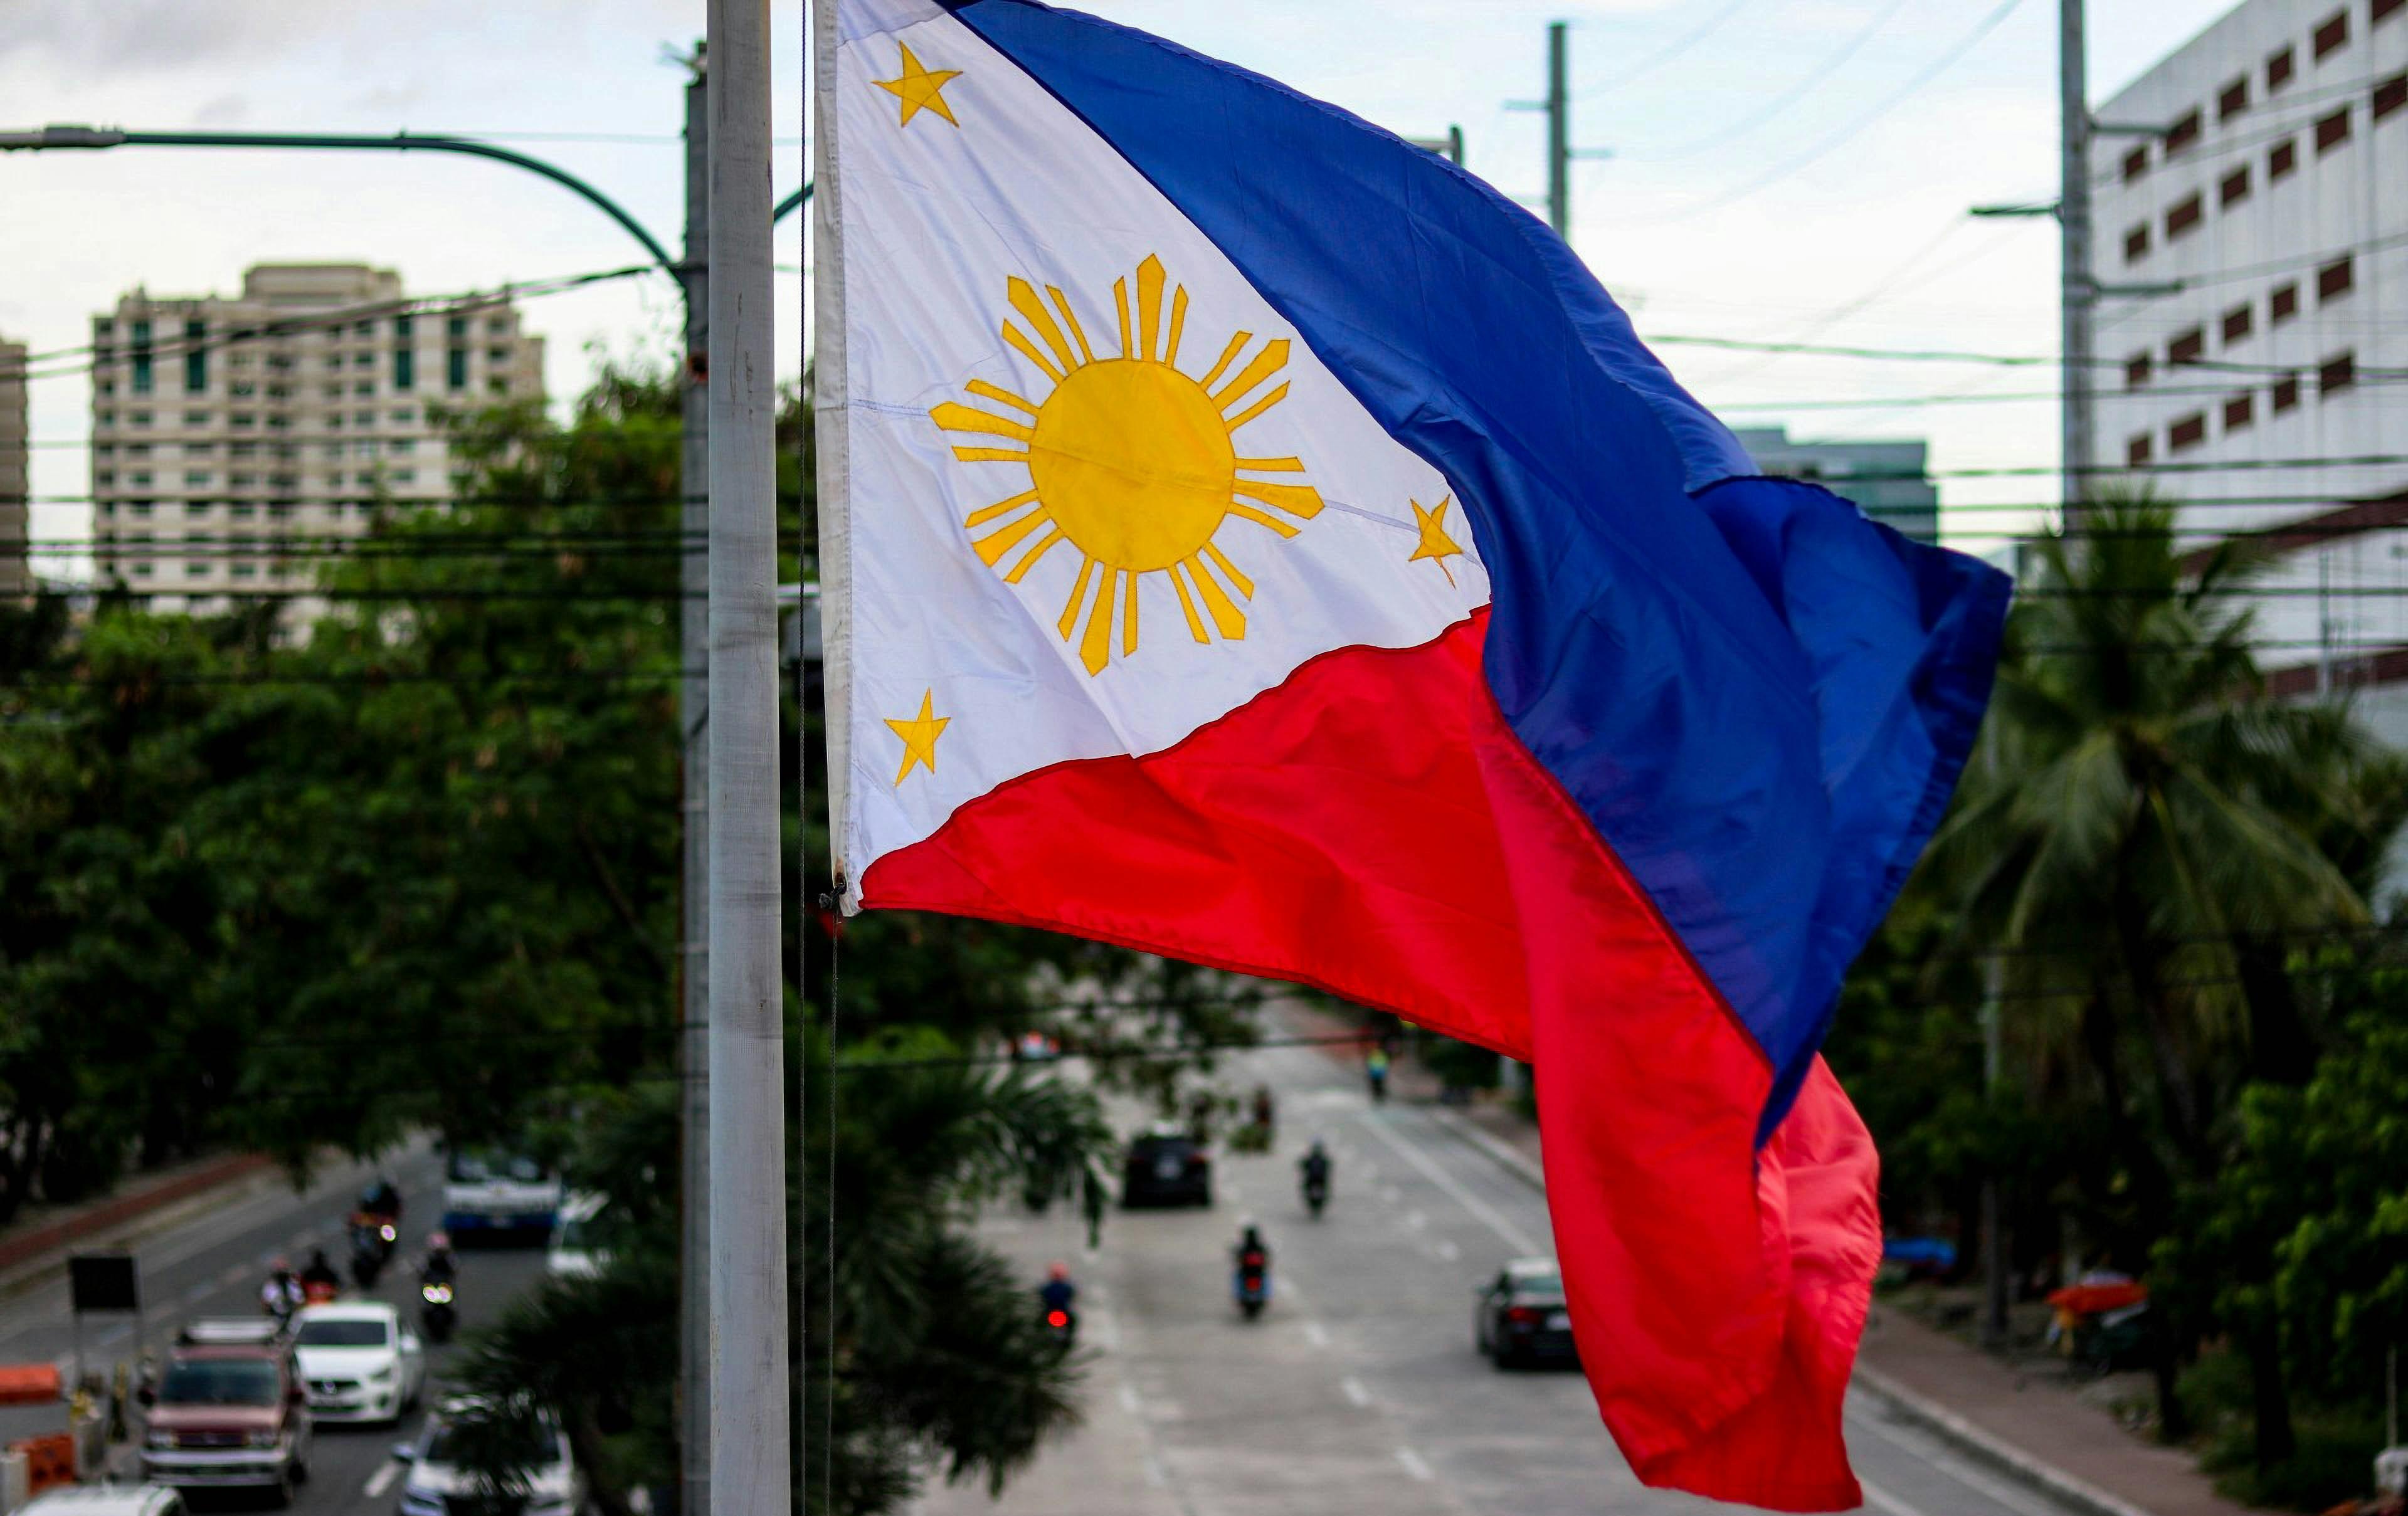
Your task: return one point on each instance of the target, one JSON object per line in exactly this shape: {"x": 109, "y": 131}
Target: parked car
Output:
{"x": 500, "y": 1195}
{"x": 106, "y": 1500}
{"x": 436, "y": 1485}
{"x": 228, "y": 1413}
{"x": 360, "y": 1363}
{"x": 1167, "y": 1167}
{"x": 1522, "y": 1320}
{"x": 573, "y": 1250}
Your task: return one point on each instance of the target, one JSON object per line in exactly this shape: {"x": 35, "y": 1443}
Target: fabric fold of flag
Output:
{"x": 1253, "y": 539}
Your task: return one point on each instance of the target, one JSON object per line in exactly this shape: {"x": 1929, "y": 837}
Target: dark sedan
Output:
{"x": 1522, "y": 1320}
{"x": 1166, "y": 1169}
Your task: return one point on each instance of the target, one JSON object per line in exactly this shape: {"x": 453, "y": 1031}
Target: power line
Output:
{"x": 1664, "y": 55}
{"x": 1782, "y": 100}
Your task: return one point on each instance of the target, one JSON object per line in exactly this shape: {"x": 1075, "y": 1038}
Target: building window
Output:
{"x": 2137, "y": 369}
{"x": 404, "y": 369}
{"x": 2333, "y": 130}
{"x": 402, "y": 444}
{"x": 498, "y": 385}
{"x": 334, "y": 360}
{"x": 2285, "y": 158}
{"x": 2234, "y": 189}
{"x": 2391, "y": 94}
{"x": 196, "y": 478}
{"x": 497, "y": 357}
{"x": 2187, "y": 433}
{"x": 363, "y": 329}
{"x": 499, "y": 326}
{"x": 363, "y": 418}
{"x": 2283, "y": 303}
{"x": 2182, "y": 134}
{"x": 2136, "y": 243}
{"x": 2337, "y": 373}
{"x": 2186, "y": 349}
{"x": 196, "y": 357}
{"x": 104, "y": 478}
{"x": 2335, "y": 279}
{"x": 138, "y": 417}
{"x": 331, "y": 450}
{"x": 2137, "y": 450}
{"x": 2278, "y": 70}
{"x": 138, "y": 508}
{"x": 140, "y": 476}
{"x": 2236, "y": 325}
{"x": 2182, "y": 217}
{"x": 142, "y": 568}
{"x": 2383, "y": 10}
{"x": 2234, "y": 100}
{"x": 242, "y": 571}
{"x": 141, "y": 371}
{"x": 330, "y": 391}
{"x": 2240, "y": 412}
{"x": 455, "y": 368}
{"x": 2136, "y": 163}
{"x": 196, "y": 418}
{"x": 2333, "y": 36}
{"x": 401, "y": 327}
{"x": 242, "y": 511}
{"x": 405, "y": 476}
{"x": 457, "y": 326}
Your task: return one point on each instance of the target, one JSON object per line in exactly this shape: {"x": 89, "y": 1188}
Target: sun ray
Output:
{"x": 1119, "y": 299}
{"x": 1128, "y": 619}
{"x": 1071, "y": 319}
{"x": 1229, "y": 355}
{"x": 1149, "y": 304}
{"x": 996, "y": 392}
{"x": 1178, "y": 324}
{"x": 1263, "y": 366}
{"x": 953, "y": 417}
{"x": 1095, "y": 646}
{"x": 1028, "y": 559}
{"x": 1225, "y": 615}
{"x": 991, "y": 455}
{"x": 1194, "y": 623}
{"x": 1002, "y": 508}
{"x": 1261, "y": 518}
{"x": 1078, "y": 595}
{"x": 1299, "y": 500}
{"x": 992, "y": 547}
{"x": 1025, "y": 300}
{"x": 1019, "y": 338}
{"x": 1272, "y": 465}
{"x": 1221, "y": 561}
{"x": 1258, "y": 407}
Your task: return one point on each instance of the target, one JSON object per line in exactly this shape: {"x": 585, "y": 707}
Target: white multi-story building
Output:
{"x": 2267, "y": 392}
{"x": 226, "y": 432}
{"x": 16, "y": 575}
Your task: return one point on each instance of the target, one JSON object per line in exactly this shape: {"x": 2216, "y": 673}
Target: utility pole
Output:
{"x": 694, "y": 726}
{"x": 2080, "y": 295}
{"x": 1559, "y": 135}
{"x": 752, "y": 1470}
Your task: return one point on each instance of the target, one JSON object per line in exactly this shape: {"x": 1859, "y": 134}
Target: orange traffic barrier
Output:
{"x": 28, "y": 1385}
{"x": 49, "y": 1460}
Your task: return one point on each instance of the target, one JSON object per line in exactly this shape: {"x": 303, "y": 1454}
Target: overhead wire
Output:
{"x": 1651, "y": 62}
{"x": 1785, "y": 98}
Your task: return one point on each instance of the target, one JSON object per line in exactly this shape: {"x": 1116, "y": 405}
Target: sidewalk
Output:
{"x": 2035, "y": 1429}
{"x": 36, "y": 1247}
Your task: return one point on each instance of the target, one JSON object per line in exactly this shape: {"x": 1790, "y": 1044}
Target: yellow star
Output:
{"x": 1435, "y": 544}
{"x": 919, "y": 737}
{"x": 918, "y": 89}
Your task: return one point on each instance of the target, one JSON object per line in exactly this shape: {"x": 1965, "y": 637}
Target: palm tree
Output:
{"x": 2140, "y": 829}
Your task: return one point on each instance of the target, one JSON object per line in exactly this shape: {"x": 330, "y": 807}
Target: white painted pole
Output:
{"x": 750, "y": 1471}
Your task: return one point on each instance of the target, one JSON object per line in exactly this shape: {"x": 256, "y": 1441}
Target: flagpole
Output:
{"x": 830, "y": 435}
{"x": 750, "y": 1447}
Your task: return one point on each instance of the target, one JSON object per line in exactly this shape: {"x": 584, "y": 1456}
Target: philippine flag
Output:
{"x": 1249, "y": 537}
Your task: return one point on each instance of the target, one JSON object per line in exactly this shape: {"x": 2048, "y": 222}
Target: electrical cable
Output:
{"x": 1796, "y": 91}
{"x": 1664, "y": 55}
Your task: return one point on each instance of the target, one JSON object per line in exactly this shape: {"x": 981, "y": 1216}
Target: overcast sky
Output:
{"x": 1758, "y": 189}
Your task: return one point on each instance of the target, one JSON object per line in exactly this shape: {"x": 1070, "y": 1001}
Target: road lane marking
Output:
{"x": 1316, "y": 1334}
{"x": 1448, "y": 1251}
{"x": 199, "y": 1292}
{"x": 1876, "y": 1496}
{"x": 1129, "y": 1400}
{"x": 1962, "y": 1472}
{"x": 1513, "y": 1236}
{"x": 1414, "y": 1467}
{"x": 1417, "y": 1219}
{"x": 1391, "y": 1194}
{"x": 235, "y": 1275}
{"x": 381, "y": 1480}
{"x": 1155, "y": 1474}
{"x": 1354, "y": 1390}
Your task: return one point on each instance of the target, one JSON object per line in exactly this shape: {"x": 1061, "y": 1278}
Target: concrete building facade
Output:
{"x": 2266, "y": 392}
{"x": 16, "y": 475}
{"x": 1886, "y": 480}
{"x": 228, "y": 431}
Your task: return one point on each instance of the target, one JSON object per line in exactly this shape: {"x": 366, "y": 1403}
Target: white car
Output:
{"x": 555, "y": 1486}
{"x": 106, "y": 1500}
{"x": 572, "y": 1251}
{"x": 360, "y": 1363}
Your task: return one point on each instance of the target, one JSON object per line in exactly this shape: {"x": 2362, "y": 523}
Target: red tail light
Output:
{"x": 1196, "y": 1160}
{"x": 1057, "y": 1318}
{"x": 1524, "y": 1315}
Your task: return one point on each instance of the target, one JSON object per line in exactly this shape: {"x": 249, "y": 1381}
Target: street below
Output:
{"x": 212, "y": 1266}
{"x": 1359, "y": 1388}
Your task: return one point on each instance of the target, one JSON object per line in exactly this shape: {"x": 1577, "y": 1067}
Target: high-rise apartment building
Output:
{"x": 2265, "y": 391}
{"x": 16, "y": 474}
{"x": 225, "y": 432}
{"x": 1887, "y": 480}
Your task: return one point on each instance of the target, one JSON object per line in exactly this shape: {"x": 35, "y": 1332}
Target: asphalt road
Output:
{"x": 212, "y": 1266}
{"x": 1359, "y": 1389}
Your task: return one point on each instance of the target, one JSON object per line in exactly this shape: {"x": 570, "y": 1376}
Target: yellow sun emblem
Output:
{"x": 1131, "y": 460}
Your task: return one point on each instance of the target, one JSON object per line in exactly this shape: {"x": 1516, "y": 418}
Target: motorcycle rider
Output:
{"x": 320, "y": 1271}
{"x": 1375, "y": 1068}
{"x": 1058, "y": 1292}
{"x": 1254, "y": 1261}
{"x": 280, "y": 1296}
{"x": 1314, "y": 1165}
{"x": 438, "y": 1266}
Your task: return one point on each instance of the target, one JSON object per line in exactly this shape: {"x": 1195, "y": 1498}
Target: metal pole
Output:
{"x": 751, "y": 1427}
{"x": 1994, "y": 1223}
{"x": 694, "y": 724}
{"x": 2079, "y": 296}
{"x": 1559, "y": 137}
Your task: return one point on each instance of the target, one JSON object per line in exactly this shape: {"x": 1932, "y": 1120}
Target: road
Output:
{"x": 1359, "y": 1389}
{"x": 212, "y": 1266}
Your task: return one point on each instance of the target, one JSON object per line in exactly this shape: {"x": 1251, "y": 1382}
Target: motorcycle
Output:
{"x": 1254, "y": 1284}
{"x": 437, "y": 1315}
{"x": 1061, "y": 1324}
{"x": 373, "y": 1239}
{"x": 1316, "y": 1193}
